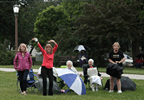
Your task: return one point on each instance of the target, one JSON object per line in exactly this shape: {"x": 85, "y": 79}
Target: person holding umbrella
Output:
{"x": 47, "y": 64}
{"x": 116, "y": 57}
{"x": 83, "y": 57}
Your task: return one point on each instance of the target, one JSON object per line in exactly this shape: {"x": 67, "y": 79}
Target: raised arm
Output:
{"x": 56, "y": 45}
{"x": 52, "y": 42}
{"x": 39, "y": 45}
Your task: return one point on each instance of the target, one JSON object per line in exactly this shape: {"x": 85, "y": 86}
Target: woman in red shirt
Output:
{"x": 47, "y": 64}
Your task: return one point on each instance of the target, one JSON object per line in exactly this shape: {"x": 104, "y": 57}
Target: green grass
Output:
{"x": 126, "y": 70}
{"x": 8, "y": 91}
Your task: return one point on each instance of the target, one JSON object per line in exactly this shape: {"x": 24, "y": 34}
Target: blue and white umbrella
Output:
{"x": 72, "y": 80}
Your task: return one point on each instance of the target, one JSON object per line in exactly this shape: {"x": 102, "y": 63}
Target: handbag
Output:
{"x": 114, "y": 70}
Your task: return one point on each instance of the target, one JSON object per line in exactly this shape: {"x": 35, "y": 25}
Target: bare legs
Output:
{"x": 119, "y": 84}
{"x": 112, "y": 84}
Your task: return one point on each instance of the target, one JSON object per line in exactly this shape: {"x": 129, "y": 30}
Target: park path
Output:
{"x": 131, "y": 76}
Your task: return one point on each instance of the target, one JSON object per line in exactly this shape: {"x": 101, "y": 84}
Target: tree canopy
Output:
{"x": 48, "y": 22}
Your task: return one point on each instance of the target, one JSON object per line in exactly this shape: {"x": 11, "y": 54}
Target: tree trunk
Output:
{"x": 135, "y": 50}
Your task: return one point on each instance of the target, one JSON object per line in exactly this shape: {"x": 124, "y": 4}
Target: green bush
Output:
{"x": 6, "y": 57}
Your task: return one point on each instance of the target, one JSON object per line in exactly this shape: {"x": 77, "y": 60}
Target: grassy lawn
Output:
{"x": 126, "y": 70}
{"x": 8, "y": 91}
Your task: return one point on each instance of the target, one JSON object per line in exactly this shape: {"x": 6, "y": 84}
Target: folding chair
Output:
{"x": 30, "y": 82}
{"x": 86, "y": 76}
{"x": 84, "y": 66}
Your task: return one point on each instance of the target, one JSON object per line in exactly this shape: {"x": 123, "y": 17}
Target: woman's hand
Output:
{"x": 101, "y": 78}
{"x": 51, "y": 41}
{"x": 35, "y": 39}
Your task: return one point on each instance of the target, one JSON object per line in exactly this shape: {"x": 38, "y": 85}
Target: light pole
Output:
{"x": 16, "y": 11}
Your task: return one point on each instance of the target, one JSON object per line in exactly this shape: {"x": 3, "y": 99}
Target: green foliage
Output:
{"x": 6, "y": 21}
{"x": 6, "y": 57}
{"x": 106, "y": 21}
{"x": 65, "y": 37}
{"x": 26, "y": 18}
{"x": 103, "y": 23}
{"x": 48, "y": 21}
{"x": 73, "y": 8}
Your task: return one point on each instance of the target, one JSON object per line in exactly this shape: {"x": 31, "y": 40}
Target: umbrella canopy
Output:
{"x": 126, "y": 84}
{"x": 80, "y": 48}
{"x": 72, "y": 80}
{"x": 39, "y": 86}
{"x": 140, "y": 55}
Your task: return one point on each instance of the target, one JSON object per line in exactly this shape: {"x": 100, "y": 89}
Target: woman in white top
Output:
{"x": 94, "y": 75}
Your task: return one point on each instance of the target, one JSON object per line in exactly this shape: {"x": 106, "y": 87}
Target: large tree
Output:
{"x": 108, "y": 21}
{"x": 6, "y": 21}
{"x": 48, "y": 22}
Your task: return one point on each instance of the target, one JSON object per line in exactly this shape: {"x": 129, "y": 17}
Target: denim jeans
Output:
{"x": 139, "y": 65}
{"x": 23, "y": 79}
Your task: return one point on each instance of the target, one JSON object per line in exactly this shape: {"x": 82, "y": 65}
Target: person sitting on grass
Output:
{"x": 70, "y": 66}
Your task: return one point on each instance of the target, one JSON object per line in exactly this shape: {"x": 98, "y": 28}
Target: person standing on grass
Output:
{"x": 116, "y": 57}
{"x": 22, "y": 64}
{"x": 47, "y": 64}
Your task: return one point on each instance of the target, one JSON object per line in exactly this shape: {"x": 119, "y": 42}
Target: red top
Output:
{"x": 48, "y": 58}
{"x": 138, "y": 61}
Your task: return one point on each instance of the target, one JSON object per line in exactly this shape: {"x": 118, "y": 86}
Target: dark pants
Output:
{"x": 82, "y": 62}
{"x": 45, "y": 72}
{"x": 23, "y": 79}
{"x": 139, "y": 65}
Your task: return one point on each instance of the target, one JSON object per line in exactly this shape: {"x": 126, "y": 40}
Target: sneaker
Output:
{"x": 111, "y": 91}
{"x": 119, "y": 91}
{"x": 93, "y": 89}
{"x": 23, "y": 93}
